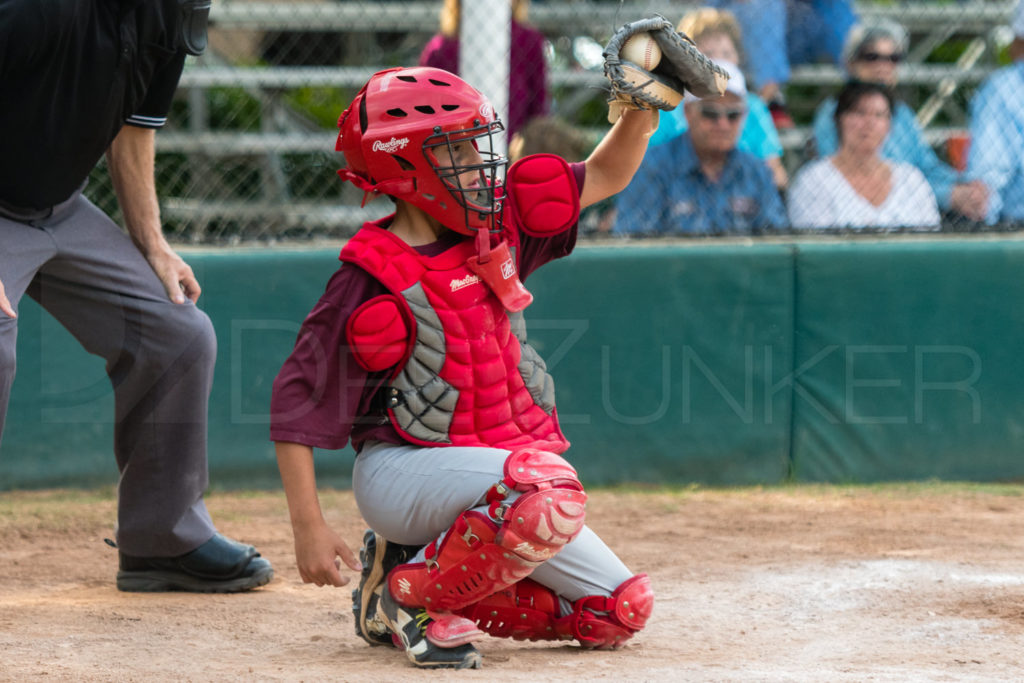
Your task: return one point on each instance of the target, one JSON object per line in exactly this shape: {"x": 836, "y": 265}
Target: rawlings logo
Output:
{"x": 464, "y": 282}
{"x": 392, "y": 145}
{"x": 404, "y": 587}
{"x": 527, "y": 551}
{"x": 508, "y": 269}
{"x": 486, "y": 110}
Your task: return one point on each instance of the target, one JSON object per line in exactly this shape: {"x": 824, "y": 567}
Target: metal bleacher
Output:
{"x": 283, "y": 131}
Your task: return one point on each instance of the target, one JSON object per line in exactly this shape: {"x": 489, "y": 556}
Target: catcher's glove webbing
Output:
{"x": 682, "y": 67}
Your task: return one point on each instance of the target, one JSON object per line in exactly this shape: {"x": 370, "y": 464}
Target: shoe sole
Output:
{"x": 374, "y": 574}
{"x": 371, "y": 581}
{"x": 362, "y": 595}
{"x": 155, "y": 581}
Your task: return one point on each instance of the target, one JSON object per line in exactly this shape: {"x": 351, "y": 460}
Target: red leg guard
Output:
{"x": 478, "y": 557}
{"x": 523, "y": 611}
{"x": 607, "y": 623}
{"x": 530, "y": 611}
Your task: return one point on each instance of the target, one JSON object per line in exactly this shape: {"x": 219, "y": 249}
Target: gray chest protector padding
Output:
{"x": 422, "y": 402}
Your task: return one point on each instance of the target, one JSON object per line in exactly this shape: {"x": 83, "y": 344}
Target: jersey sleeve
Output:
{"x": 322, "y": 390}
{"x": 152, "y": 113}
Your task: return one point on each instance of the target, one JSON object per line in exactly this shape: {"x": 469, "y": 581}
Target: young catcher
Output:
{"x": 417, "y": 353}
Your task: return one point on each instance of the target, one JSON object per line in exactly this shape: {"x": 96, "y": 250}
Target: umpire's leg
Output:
{"x": 24, "y": 248}
{"x": 159, "y": 357}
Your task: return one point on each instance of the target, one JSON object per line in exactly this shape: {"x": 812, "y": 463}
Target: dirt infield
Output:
{"x": 893, "y": 583}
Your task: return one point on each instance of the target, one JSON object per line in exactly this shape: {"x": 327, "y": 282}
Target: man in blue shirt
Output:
{"x": 699, "y": 182}
{"x": 996, "y": 154}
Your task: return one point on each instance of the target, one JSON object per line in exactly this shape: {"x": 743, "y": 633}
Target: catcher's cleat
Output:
{"x": 419, "y": 636}
{"x": 378, "y": 557}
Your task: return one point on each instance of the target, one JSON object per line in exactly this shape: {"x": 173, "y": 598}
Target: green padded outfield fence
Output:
{"x": 845, "y": 360}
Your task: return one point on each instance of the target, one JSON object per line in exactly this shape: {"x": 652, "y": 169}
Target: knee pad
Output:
{"x": 607, "y": 623}
{"x": 479, "y": 556}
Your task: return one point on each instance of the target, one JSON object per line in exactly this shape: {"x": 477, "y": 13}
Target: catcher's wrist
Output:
{"x": 619, "y": 105}
{"x": 642, "y": 122}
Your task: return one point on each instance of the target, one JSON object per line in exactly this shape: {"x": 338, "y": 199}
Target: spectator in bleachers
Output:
{"x": 699, "y": 182}
{"x": 717, "y": 34}
{"x": 873, "y": 52}
{"x": 996, "y": 153}
{"x": 857, "y": 187}
{"x": 781, "y": 33}
{"x": 527, "y": 88}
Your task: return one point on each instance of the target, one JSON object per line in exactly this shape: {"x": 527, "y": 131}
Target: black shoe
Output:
{"x": 378, "y": 557}
{"x": 220, "y": 565}
{"x": 410, "y": 625}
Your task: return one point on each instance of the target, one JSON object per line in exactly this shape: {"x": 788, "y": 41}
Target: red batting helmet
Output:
{"x": 391, "y": 130}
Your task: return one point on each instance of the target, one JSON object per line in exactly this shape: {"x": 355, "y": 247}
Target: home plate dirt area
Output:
{"x": 898, "y": 582}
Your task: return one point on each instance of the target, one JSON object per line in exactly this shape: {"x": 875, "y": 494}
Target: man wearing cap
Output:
{"x": 996, "y": 154}
{"x": 699, "y": 182}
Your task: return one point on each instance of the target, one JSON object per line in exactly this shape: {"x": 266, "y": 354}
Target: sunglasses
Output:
{"x": 714, "y": 113}
{"x": 894, "y": 58}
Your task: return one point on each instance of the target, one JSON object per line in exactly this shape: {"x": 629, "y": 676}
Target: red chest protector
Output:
{"x": 464, "y": 375}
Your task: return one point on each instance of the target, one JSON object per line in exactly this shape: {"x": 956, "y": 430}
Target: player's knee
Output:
{"x": 607, "y": 623}
{"x": 549, "y": 513}
{"x": 533, "y": 469}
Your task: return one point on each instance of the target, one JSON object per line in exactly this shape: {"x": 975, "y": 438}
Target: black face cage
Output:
{"x": 484, "y": 202}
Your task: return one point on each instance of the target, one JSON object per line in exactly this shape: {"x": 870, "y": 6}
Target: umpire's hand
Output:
{"x": 5, "y": 305}
{"x": 176, "y": 275}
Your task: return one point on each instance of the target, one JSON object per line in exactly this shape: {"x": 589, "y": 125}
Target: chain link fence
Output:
{"x": 248, "y": 153}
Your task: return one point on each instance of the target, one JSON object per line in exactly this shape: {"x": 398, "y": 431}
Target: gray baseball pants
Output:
{"x": 83, "y": 269}
{"x": 412, "y": 495}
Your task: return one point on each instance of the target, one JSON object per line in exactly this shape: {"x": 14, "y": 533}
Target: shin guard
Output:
{"x": 478, "y": 556}
{"x": 523, "y": 611}
{"x": 607, "y": 623}
{"x": 530, "y": 611}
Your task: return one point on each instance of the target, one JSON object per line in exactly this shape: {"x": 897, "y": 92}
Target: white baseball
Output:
{"x": 642, "y": 50}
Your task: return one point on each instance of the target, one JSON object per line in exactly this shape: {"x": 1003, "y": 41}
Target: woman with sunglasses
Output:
{"x": 874, "y": 52}
{"x": 856, "y": 187}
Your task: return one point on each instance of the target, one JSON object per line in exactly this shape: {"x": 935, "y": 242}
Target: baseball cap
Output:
{"x": 737, "y": 84}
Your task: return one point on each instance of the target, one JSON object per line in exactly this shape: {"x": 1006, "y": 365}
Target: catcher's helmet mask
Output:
{"x": 479, "y": 197}
{"x": 402, "y": 109}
